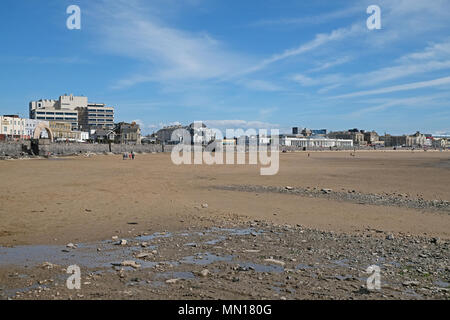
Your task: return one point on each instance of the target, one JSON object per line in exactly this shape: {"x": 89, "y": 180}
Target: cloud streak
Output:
{"x": 403, "y": 87}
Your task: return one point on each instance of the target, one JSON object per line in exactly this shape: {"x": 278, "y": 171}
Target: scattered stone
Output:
{"x": 204, "y": 273}
{"x": 289, "y": 188}
{"x": 204, "y": 205}
{"x": 411, "y": 283}
{"x": 143, "y": 255}
{"x": 191, "y": 244}
{"x": 71, "y": 246}
{"x": 278, "y": 262}
{"x": 130, "y": 263}
{"x": 172, "y": 281}
{"x": 48, "y": 265}
{"x": 122, "y": 242}
{"x": 390, "y": 237}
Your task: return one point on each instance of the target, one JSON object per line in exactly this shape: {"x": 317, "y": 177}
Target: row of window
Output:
{"x": 58, "y": 113}
{"x": 16, "y": 123}
{"x": 101, "y": 110}
{"x": 20, "y": 132}
{"x": 101, "y": 120}
{"x": 57, "y": 118}
{"x": 101, "y": 115}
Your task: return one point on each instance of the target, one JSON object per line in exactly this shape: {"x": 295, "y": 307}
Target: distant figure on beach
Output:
{"x": 129, "y": 156}
{"x": 124, "y": 156}
{"x": 308, "y": 154}
{"x": 132, "y": 155}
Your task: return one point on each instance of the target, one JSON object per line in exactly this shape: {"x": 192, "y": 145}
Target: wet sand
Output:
{"x": 84, "y": 199}
{"x": 309, "y": 232}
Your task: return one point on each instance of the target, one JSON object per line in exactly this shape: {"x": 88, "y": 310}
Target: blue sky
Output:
{"x": 235, "y": 64}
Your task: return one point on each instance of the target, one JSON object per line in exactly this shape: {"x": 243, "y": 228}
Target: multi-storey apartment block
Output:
{"x": 75, "y": 110}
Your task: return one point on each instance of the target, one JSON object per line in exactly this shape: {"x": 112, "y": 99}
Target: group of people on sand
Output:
{"x": 127, "y": 155}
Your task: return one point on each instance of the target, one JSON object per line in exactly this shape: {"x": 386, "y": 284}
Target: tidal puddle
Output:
{"x": 175, "y": 275}
{"x": 442, "y": 284}
{"x": 103, "y": 254}
{"x": 261, "y": 267}
{"x": 302, "y": 266}
{"x": 154, "y": 236}
{"x": 205, "y": 259}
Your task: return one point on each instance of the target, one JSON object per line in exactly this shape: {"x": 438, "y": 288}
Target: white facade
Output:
{"x": 30, "y": 126}
{"x": 18, "y": 128}
{"x": 84, "y": 136}
{"x": 200, "y": 134}
{"x": 74, "y": 109}
{"x": 12, "y": 126}
{"x": 315, "y": 142}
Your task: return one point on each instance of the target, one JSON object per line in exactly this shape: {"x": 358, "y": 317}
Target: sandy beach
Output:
{"x": 87, "y": 200}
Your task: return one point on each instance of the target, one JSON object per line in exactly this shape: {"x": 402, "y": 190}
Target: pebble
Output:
{"x": 130, "y": 263}
{"x": 172, "y": 281}
{"x": 278, "y": 262}
{"x": 204, "y": 273}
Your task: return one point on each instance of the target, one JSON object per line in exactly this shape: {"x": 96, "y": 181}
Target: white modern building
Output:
{"x": 74, "y": 109}
{"x": 311, "y": 142}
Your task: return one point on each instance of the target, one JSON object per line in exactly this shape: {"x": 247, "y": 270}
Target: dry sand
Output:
{"x": 82, "y": 199}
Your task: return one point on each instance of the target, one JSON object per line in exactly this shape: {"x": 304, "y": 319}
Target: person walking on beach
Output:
{"x": 132, "y": 155}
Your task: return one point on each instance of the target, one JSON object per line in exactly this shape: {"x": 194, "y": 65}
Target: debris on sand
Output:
{"x": 204, "y": 273}
{"x": 122, "y": 242}
{"x": 48, "y": 265}
{"x": 172, "y": 281}
{"x": 71, "y": 246}
{"x": 273, "y": 261}
{"x": 143, "y": 255}
{"x": 130, "y": 263}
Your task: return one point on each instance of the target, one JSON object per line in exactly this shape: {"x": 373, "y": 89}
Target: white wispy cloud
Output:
{"x": 260, "y": 85}
{"x": 309, "y": 20}
{"x": 330, "y": 64}
{"x": 319, "y": 40}
{"x": 403, "y": 102}
{"x": 329, "y": 79}
{"x": 403, "y": 87}
{"x": 166, "y": 53}
{"x": 237, "y": 124}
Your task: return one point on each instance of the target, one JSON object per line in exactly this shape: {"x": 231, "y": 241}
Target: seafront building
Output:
{"x": 76, "y": 110}
{"x": 127, "y": 133}
{"x": 14, "y": 127}
{"x": 315, "y": 142}
{"x": 415, "y": 140}
{"x": 198, "y": 133}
